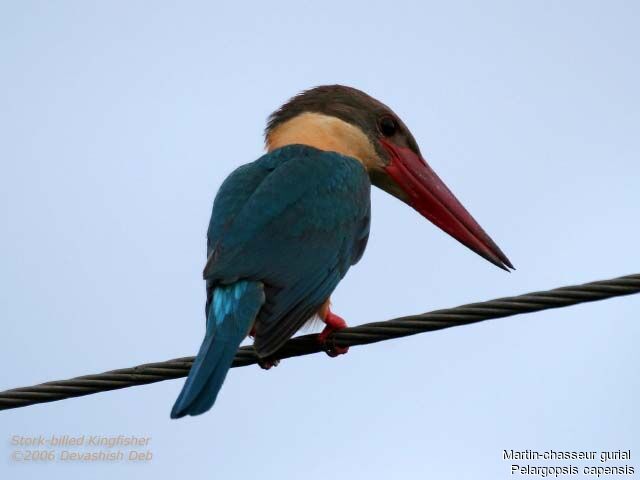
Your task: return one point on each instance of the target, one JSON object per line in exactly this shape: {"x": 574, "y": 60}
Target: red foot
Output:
{"x": 333, "y": 323}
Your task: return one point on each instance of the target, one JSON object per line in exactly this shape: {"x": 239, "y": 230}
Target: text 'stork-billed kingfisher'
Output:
{"x": 286, "y": 228}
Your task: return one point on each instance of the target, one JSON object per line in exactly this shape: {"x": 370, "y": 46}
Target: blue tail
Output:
{"x": 232, "y": 311}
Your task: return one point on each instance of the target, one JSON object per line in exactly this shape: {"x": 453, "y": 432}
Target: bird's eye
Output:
{"x": 388, "y": 126}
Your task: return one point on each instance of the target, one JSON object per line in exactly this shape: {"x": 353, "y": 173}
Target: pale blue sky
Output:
{"x": 118, "y": 122}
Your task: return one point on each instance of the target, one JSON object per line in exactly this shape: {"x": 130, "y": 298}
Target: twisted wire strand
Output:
{"x": 308, "y": 344}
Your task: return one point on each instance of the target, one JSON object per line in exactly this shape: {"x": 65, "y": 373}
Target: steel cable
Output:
{"x": 308, "y": 344}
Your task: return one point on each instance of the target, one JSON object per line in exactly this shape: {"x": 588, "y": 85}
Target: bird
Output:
{"x": 286, "y": 228}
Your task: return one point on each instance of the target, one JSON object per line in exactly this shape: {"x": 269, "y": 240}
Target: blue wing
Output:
{"x": 296, "y": 219}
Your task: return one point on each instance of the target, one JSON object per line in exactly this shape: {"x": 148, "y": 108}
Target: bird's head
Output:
{"x": 350, "y": 122}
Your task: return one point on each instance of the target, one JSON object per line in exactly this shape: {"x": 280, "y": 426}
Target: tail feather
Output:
{"x": 231, "y": 314}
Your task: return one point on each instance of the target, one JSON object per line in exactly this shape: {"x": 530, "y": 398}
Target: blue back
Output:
{"x": 295, "y": 219}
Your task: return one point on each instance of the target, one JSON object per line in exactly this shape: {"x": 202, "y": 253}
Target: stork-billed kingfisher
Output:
{"x": 285, "y": 228}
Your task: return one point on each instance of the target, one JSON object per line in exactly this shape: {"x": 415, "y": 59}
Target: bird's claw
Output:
{"x": 333, "y": 351}
{"x": 333, "y": 324}
{"x": 328, "y": 346}
{"x": 267, "y": 363}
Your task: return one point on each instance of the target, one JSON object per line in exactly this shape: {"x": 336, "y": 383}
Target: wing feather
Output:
{"x": 296, "y": 219}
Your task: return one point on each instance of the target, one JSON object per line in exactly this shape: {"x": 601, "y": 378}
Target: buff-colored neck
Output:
{"x": 325, "y": 133}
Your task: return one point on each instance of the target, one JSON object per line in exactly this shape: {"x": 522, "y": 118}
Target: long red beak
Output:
{"x": 433, "y": 200}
